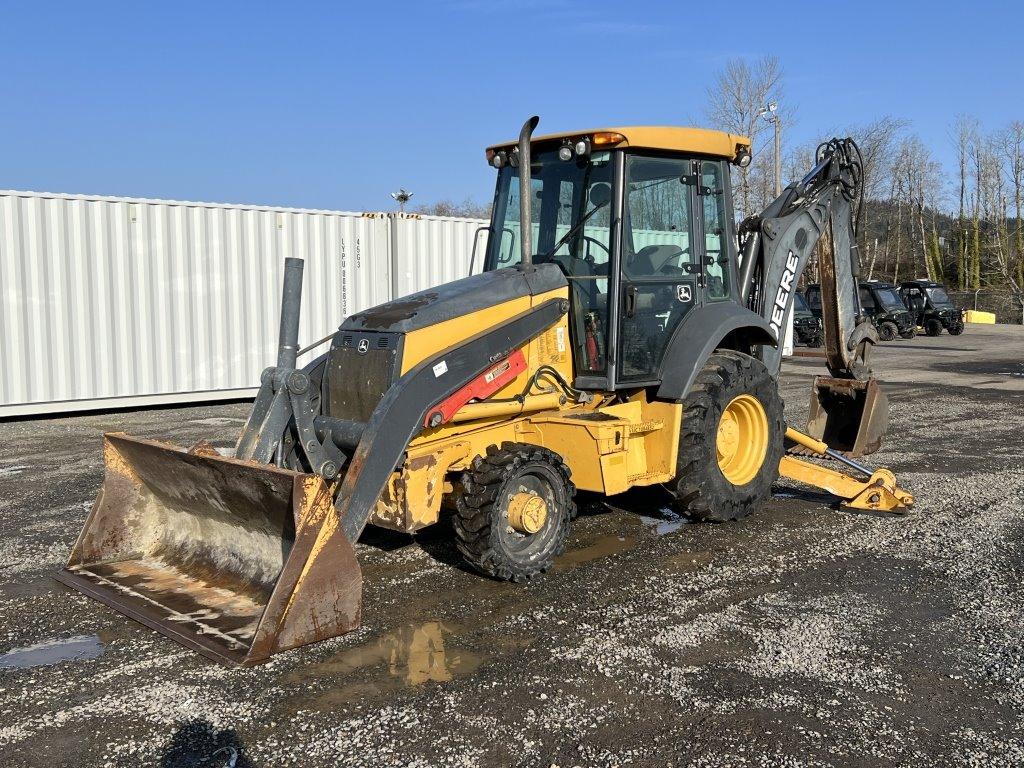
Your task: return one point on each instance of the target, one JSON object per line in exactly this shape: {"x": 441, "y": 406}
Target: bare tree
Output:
{"x": 878, "y": 146}
{"x": 1010, "y": 143}
{"x": 735, "y": 99}
{"x": 994, "y": 202}
{"x": 467, "y": 209}
{"x": 921, "y": 184}
{"x": 965, "y": 131}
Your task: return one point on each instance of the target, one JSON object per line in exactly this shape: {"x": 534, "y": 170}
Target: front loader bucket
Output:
{"x": 234, "y": 559}
{"x": 849, "y": 416}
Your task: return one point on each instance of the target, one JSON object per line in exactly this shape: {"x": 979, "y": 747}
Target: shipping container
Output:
{"x": 113, "y": 302}
{"x": 430, "y": 250}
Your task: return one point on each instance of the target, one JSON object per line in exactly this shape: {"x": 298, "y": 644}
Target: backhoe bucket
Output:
{"x": 850, "y": 416}
{"x": 234, "y": 559}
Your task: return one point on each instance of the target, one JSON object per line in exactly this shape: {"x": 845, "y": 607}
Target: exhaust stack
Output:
{"x": 526, "y": 192}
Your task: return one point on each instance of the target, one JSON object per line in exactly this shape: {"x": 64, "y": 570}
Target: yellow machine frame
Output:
{"x": 609, "y": 447}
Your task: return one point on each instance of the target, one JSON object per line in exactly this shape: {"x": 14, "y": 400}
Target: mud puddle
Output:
{"x": 408, "y": 657}
{"x": 666, "y": 521}
{"x": 53, "y": 652}
{"x": 604, "y": 546}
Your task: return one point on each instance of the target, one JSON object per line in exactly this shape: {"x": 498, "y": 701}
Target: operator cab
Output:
{"x": 920, "y": 295}
{"x": 640, "y": 221}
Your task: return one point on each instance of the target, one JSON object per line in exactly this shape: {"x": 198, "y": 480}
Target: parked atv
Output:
{"x": 806, "y": 327}
{"x": 879, "y": 301}
{"x": 931, "y": 307}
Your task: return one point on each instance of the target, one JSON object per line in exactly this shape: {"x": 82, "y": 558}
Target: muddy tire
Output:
{"x": 888, "y": 331}
{"x": 703, "y": 488}
{"x": 491, "y": 530}
{"x": 909, "y": 334}
{"x": 956, "y": 328}
{"x": 933, "y": 326}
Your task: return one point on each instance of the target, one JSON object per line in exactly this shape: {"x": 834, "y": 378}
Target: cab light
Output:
{"x": 497, "y": 159}
{"x": 607, "y": 138}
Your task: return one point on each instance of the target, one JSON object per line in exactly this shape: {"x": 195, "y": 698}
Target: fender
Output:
{"x": 699, "y": 334}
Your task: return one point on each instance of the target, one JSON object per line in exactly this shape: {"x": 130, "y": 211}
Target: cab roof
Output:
{"x": 668, "y": 138}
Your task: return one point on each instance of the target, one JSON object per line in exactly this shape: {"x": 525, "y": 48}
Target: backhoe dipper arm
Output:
{"x": 778, "y": 242}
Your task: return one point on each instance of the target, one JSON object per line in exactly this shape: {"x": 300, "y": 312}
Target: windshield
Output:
{"x": 939, "y": 297}
{"x": 570, "y": 213}
{"x": 889, "y": 299}
{"x": 570, "y": 222}
{"x": 799, "y": 305}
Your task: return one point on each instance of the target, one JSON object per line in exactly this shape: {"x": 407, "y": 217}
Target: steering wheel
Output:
{"x": 599, "y": 244}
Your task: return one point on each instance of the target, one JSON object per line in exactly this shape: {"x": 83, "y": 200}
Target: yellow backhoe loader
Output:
{"x": 623, "y": 332}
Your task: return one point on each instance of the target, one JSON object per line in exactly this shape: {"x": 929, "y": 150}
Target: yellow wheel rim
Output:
{"x": 527, "y": 512}
{"x": 742, "y": 441}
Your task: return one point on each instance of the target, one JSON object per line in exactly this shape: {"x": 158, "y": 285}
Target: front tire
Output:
{"x": 933, "y": 326}
{"x": 513, "y": 512}
{"x": 956, "y": 328}
{"x": 909, "y": 334}
{"x": 730, "y": 440}
{"x": 888, "y": 331}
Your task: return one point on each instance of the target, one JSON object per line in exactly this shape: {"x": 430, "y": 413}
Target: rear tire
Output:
{"x": 888, "y": 331}
{"x": 703, "y": 491}
{"x": 933, "y": 327}
{"x": 909, "y": 334}
{"x": 484, "y": 533}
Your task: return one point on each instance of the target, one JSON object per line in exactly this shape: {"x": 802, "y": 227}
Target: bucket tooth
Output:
{"x": 850, "y": 416}
{"x": 237, "y": 560}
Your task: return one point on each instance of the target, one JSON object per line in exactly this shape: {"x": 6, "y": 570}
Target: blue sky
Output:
{"x": 334, "y": 106}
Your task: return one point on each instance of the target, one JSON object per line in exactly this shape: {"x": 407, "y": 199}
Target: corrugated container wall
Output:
{"x": 430, "y": 250}
{"x": 112, "y": 302}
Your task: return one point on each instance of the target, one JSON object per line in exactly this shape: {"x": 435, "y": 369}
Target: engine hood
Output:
{"x": 456, "y": 299}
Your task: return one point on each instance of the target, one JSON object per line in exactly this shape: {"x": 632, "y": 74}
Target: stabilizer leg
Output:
{"x": 879, "y": 492}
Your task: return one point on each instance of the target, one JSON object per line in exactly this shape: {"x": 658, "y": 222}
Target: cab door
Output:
{"x": 675, "y": 255}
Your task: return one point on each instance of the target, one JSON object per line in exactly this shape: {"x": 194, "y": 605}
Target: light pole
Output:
{"x": 770, "y": 113}
{"x": 401, "y": 197}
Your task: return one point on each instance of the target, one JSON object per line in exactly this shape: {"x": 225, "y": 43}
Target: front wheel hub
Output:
{"x": 527, "y": 512}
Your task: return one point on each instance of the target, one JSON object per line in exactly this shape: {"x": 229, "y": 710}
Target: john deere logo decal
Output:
{"x": 684, "y": 293}
{"x": 364, "y": 344}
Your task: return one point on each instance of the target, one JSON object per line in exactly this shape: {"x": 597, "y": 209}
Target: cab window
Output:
{"x": 716, "y": 229}
{"x": 570, "y": 225}
{"x": 813, "y": 296}
{"x": 867, "y": 301}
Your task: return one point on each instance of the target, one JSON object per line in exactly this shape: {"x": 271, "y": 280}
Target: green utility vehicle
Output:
{"x": 879, "y": 301}
{"x": 806, "y": 327}
{"x": 931, "y": 307}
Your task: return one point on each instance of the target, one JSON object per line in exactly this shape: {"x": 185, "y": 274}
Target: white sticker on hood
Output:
{"x": 440, "y": 369}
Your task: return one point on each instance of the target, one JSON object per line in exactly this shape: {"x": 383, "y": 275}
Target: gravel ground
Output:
{"x": 805, "y": 635}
